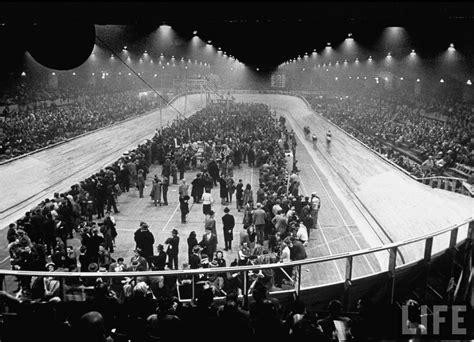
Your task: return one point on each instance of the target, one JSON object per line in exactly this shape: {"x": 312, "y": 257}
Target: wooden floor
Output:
{"x": 365, "y": 202}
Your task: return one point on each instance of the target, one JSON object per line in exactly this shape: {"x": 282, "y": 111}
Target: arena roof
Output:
{"x": 264, "y": 34}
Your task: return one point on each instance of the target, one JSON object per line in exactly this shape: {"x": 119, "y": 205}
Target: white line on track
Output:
{"x": 342, "y": 217}
{"x": 324, "y": 238}
{"x": 171, "y": 217}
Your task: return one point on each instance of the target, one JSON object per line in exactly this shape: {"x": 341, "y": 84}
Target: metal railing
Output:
{"x": 391, "y": 269}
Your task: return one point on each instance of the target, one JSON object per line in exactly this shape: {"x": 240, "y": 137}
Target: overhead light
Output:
{"x": 23, "y": 73}
{"x": 389, "y": 55}
{"x": 418, "y": 80}
{"x": 53, "y": 73}
{"x": 469, "y": 82}
{"x": 441, "y": 81}
{"x": 195, "y": 32}
{"x": 336, "y": 78}
{"x": 349, "y": 35}
{"x": 125, "y": 48}
{"x": 328, "y": 44}
{"x": 412, "y": 52}
{"x": 401, "y": 78}
{"x": 73, "y": 74}
{"x": 451, "y": 47}
{"x": 386, "y": 78}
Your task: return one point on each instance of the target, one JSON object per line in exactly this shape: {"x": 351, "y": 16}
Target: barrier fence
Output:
{"x": 290, "y": 273}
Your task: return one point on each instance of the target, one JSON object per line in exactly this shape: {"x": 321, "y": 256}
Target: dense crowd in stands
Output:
{"x": 387, "y": 121}
{"x": 31, "y": 129}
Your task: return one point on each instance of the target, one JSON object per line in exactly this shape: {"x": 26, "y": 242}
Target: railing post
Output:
{"x": 427, "y": 264}
{"x": 193, "y": 294}
{"x": 348, "y": 282}
{"x": 392, "y": 263}
{"x": 298, "y": 289}
{"x": 453, "y": 238}
{"x": 62, "y": 282}
{"x": 246, "y": 295}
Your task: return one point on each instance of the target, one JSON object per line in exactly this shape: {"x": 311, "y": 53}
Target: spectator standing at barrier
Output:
{"x": 192, "y": 241}
{"x": 209, "y": 243}
{"x": 173, "y": 249}
{"x": 124, "y": 178}
{"x": 109, "y": 232}
{"x": 228, "y": 223}
{"x": 144, "y": 240}
{"x": 158, "y": 261}
{"x": 195, "y": 258}
{"x": 111, "y": 195}
{"x": 207, "y": 201}
{"x": 140, "y": 183}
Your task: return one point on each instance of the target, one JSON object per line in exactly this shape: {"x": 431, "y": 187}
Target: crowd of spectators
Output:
{"x": 276, "y": 225}
{"x": 30, "y": 129}
{"x": 434, "y": 135}
{"x": 277, "y": 222}
{"x": 141, "y": 316}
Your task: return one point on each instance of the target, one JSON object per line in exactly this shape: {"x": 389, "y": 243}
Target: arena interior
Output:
{"x": 253, "y": 171}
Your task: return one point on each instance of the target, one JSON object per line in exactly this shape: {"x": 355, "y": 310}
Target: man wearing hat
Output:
{"x": 228, "y": 222}
{"x": 173, "y": 249}
{"x": 144, "y": 240}
{"x": 208, "y": 243}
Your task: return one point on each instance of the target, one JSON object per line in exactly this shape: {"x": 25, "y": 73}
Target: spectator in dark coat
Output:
{"x": 228, "y": 222}
{"x": 223, "y": 190}
{"x": 197, "y": 189}
{"x": 209, "y": 243}
{"x": 184, "y": 207}
{"x": 192, "y": 241}
{"x": 158, "y": 261}
{"x": 144, "y": 240}
{"x": 173, "y": 249}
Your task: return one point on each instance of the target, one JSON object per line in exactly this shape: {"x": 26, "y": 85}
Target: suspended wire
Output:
{"x": 141, "y": 78}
